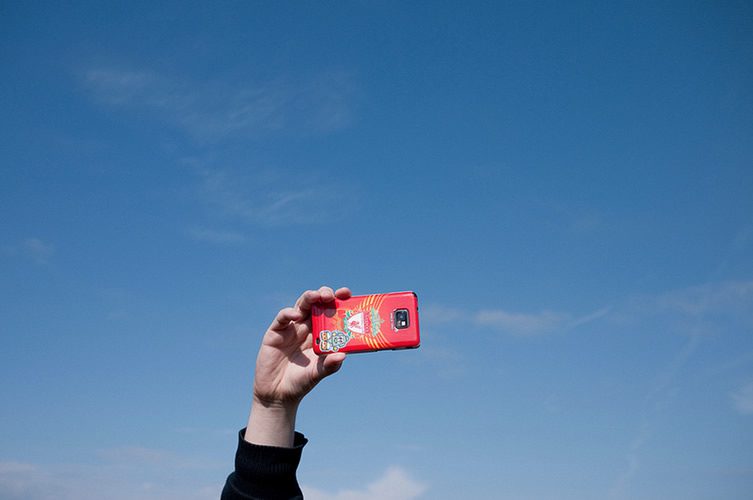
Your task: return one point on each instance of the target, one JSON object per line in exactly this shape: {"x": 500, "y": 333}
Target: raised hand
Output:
{"x": 287, "y": 369}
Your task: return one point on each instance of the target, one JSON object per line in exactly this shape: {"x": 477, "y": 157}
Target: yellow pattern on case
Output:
{"x": 377, "y": 340}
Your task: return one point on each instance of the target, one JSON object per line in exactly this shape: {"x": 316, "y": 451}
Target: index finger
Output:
{"x": 307, "y": 300}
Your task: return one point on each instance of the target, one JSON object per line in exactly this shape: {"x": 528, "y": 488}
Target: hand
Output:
{"x": 287, "y": 369}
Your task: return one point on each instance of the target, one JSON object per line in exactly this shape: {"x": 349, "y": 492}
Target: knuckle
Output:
{"x": 284, "y": 312}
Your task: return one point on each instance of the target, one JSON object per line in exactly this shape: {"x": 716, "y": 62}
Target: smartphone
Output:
{"x": 377, "y": 322}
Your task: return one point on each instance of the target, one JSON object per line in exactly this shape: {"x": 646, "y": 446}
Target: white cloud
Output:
{"x": 209, "y": 111}
{"x": 742, "y": 399}
{"x": 394, "y": 484}
{"x": 31, "y": 248}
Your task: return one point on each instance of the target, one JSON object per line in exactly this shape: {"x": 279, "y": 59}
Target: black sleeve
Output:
{"x": 265, "y": 472}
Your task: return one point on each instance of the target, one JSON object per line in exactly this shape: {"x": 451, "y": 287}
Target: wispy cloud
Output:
{"x": 520, "y": 323}
{"x": 575, "y": 218}
{"x": 254, "y": 198}
{"x": 436, "y": 314}
{"x": 523, "y": 324}
{"x": 709, "y": 298}
{"x": 742, "y": 399}
{"x": 145, "y": 456}
{"x": 264, "y": 197}
{"x": 33, "y": 249}
{"x": 119, "y": 474}
{"x": 212, "y": 110}
{"x": 632, "y": 461}
{"x": 238, "y": 201}
{"x": 686, "y": 308}
{"x": 656, "y": 399}
{"x": 509, "y": 322}
{"x": 216, "y": 236}
{"x": 738, "y": 249}
{"x": 587, "y": 318}
{"x": 694, "y": 310}
{"x": 713, "y": 307}
{"x": 395, "y": 484}
{"x": 207, "y": 431}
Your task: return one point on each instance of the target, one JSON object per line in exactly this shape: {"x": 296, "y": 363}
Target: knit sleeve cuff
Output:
{"x": 270, "y": 462}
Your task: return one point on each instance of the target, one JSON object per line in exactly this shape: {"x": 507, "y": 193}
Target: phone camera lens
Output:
{"x": 401, "y": 319}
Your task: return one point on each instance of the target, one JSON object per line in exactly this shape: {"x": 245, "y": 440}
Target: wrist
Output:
{"x": 272, "y": 423}
{"x": 275, "y": 405}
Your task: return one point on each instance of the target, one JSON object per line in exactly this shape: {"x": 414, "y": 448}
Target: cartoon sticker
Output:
{"x": 333, "y": 340}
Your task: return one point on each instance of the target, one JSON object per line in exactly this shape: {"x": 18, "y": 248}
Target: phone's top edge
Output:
{"x": 389, "y": 293}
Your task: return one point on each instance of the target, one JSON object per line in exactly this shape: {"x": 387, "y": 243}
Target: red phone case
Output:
{"x": 366, "y": 323}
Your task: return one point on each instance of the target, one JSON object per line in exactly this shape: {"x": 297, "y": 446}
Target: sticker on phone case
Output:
{"x": 362, "y": 322}
{"x": 333, "y": 340}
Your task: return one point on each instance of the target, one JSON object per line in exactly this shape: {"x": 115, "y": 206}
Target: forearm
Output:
{"x": 271, "y": 424}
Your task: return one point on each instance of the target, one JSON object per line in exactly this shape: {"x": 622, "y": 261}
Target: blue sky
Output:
{"x": 567, "y": 185}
